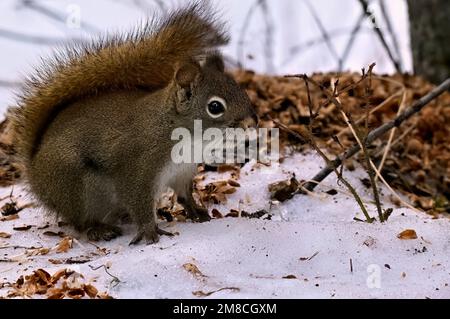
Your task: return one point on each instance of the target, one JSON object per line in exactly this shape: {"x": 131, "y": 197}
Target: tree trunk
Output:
{"x": 430, "y": 38}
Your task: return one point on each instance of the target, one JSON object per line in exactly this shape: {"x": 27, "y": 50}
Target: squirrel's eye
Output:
{"x": 216, "y": 107}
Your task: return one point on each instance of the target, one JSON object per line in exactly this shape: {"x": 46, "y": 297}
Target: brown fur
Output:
{"x": 146, "y": 59}
{"x": 94, "y": 129}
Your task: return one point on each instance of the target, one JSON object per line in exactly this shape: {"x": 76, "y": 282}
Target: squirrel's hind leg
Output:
{"x": 101, "y": 207}
{"x": 135, "y": 193}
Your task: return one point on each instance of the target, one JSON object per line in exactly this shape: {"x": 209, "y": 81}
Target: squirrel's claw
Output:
{"x": 151, "y": 235}
{"x": 198, "y": 214}
{"x": 163, "y": 232}
{"x": 103, "y": 232}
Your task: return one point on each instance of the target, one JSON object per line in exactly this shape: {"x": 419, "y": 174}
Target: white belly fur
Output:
{"x": 176, "y": 176}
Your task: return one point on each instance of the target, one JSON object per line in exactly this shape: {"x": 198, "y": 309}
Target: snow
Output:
{"x": 311, "y": 237}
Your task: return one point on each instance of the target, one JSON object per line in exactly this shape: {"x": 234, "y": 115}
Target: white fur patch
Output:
{"x": 176, "y": 176}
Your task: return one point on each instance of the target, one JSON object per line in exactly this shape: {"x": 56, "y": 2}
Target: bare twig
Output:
{"x": 359, "y": 136}
{"x": 392, "y": 133}
{"x": 376, "y": 133}
{"x": 7, "y": 260}
{"x": 323, "y": 31}
{"x": 379, "y": 33}
{"x": 333, "y": 34}
{"x": 310, "y": 140}
{"x": 143, "y": 4}
{"x": 241, "y": 41}
{"x": 54, "y": 15}
{"x": 269, "y": 40}
{"x": 17, "y": 247}
{"x": 9, "y": 84}
{"x": 341, "y": 91}
{"x": 391, "y": 31}
{"x": 375, "y": 109}
{"x": 351, "y": 40}
{"x": 362, "y": 139}
{"x": 35, "y": 39}
{"x": 115, "y": 280}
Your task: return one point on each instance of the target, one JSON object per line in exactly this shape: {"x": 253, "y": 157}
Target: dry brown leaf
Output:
{"x": 199, "y": 178}
{"x": 284, "y": 190}
{"x": 193, "y": 269}
{"x": 22, "y": 228}
{"x": 64, "y": 245}
{"x": 56, "y": 294}
{"x": 9, "y": 209}
{"x": 10, "y": 217}
{"x": 56, "y": 261}
{"x": 227, "y": 190}
{"x": 64, "y": 283}
{"x": 90, "y": 290}
{"x": 407, "y": 234}
{"x": 104, "y": 295}
{"x": 37, "y": 251}
{"x": 216, "y": 214}
{"x": 233, "y": 183}
{"x": 232, "y": 213}
{"x": 226, "y": 168}
{"x": 59, "y": 274}
{"x": 75, "y": 293}
{"x": 55, "y": 234}
{"x": 217, "y": 198}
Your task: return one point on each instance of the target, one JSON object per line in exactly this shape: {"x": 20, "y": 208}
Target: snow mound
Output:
{"x": 311, "y": 247}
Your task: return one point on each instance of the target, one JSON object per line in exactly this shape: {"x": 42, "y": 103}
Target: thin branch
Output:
{"x": 241, "y": 41}
{"x": 323, "y": 31}
{"x": 269, "y": 40}
{"x": 391, "y": 31}
{"x": 379, "y": 33}
{"x": 9, "y": 84}
{"x": 54, "y": 15}
{"x": 376, "y": 133}
{"x": 115, "y": 280}
{"x": 144, "y": 4}
{"x": 392, "y": 133}
{"x": 310, "y": 140}
{"x": 351, "y": 40}
{"x": 361, "y": 138}
{"x": 34, "y": 39}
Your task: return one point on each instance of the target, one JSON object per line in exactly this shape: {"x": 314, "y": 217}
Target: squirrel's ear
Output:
{"x": 215, "y": 61}
{"x": 187, "y": 74}
{"x": 185, "y": 78}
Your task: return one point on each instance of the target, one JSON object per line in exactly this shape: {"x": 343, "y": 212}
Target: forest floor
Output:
{"x": 310, "y": 247}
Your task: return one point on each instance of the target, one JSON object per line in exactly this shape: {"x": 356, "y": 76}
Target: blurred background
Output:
{"x": 268, "y": 36}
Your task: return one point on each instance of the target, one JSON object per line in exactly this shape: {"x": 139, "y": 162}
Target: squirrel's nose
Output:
{"x": 255, "y": 118}
{"x": 250, "y": 121}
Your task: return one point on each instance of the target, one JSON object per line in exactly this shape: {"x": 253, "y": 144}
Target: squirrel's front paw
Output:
{"x": 150, "y": 233}
{"x": 103, "y": 232}
{"x": 198, "y": 214}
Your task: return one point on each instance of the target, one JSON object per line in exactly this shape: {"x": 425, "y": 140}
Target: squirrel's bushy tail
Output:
{"x": 145, "y": 58}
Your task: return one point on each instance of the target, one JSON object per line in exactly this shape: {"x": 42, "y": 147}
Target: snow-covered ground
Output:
{"x": 312, "y": 240}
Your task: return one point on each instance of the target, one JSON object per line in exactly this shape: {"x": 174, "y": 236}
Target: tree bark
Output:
{"x": 430, "y": 38}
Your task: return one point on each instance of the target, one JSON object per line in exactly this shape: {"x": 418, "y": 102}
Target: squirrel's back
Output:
{"x": 145, "y": 58}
